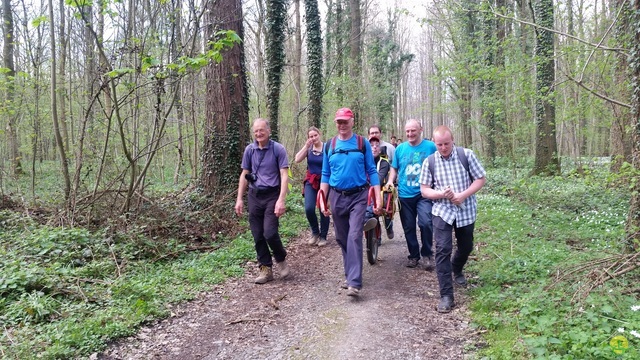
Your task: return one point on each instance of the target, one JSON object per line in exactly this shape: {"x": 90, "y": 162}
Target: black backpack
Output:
{"x": 461, "y": 156}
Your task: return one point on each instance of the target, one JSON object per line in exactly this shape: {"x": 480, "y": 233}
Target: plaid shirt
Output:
{"x": 450, "y": 172}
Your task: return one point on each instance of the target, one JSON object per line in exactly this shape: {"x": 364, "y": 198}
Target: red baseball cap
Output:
{"x": 344, "y": 114}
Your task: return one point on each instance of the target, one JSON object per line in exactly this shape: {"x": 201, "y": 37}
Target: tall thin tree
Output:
{"x": 314, "y": 62}
{"x": 8, "y": 48}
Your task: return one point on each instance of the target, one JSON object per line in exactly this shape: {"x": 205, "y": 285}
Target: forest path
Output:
{"x": 308, "y": 316}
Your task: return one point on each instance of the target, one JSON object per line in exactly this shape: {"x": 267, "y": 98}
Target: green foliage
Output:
{"x": 66, "y": 292}
{"x": 534, "y": 236}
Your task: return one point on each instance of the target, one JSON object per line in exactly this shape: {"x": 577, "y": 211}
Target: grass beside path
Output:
{"x": 542, "y": 247}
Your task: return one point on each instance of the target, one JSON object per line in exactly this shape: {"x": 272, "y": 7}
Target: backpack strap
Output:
{"x": 462, "y": 157}
{"x": 332, "y": 147}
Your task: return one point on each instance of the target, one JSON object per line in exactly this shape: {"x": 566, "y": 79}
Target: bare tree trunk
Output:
{"x": 7, "y": 56}
{"x": 63, "y": 40}
{"x": 54, "y": 110}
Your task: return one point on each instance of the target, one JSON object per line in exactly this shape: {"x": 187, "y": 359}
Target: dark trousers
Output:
{"x": 348, "y": 214}
{"x": 419, "y": 207}
{"x": 264, "y": 226}
{"x": 310, "y": 195}
{"x": 445, "y": 264}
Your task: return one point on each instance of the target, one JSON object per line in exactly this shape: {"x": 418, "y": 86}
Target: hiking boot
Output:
{"x": 313, "y": 239}
{"x": 266, "y": 275}
{"x": 352, "y": 291}
{"x": 460, "y": 279}
{"x": 411, "y": 263}
{"x": 446, "y": 304}
{"x": 390, "y": 233}
{"x": 322, "y": 242}
{"x": 427, "y": 264}
{"x": 370, "y": 224}
{"x": 284, "y": 269}
{"x": 344, "y": 285}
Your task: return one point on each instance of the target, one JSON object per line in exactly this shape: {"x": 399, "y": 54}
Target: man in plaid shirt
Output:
{"x": 452, "y": 189}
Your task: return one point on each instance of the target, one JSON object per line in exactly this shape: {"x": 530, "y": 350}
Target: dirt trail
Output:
{"x": 308, "y": 316}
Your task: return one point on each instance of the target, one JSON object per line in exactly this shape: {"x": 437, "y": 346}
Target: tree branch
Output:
{"x": 592, "y": 91}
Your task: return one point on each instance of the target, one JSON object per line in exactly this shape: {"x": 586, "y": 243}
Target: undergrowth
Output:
{"x": 543, "y": 245}
{"x": 66, "y": 292}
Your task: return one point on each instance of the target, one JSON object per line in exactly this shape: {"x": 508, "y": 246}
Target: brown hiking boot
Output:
{"x": 322, "y": 242}
{"x": 266, "y": 275}
{"x": 313, "y": 239}
{"x": 284, "y": 269}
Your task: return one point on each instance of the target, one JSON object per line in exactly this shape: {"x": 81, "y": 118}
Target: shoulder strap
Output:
{"x": 462, "y": 157}
{"x": 464, "y": 161}
{"x": 432, "y": 160}
{"x": 360, "y": 141}
{"x": 332, "y": 147}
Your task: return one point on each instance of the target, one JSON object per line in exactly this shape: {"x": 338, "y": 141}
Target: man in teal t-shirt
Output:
{"x": 407, "y": 165}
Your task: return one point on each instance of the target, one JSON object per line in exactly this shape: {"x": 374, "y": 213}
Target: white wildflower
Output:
{"x": 635, "y": 333}
{"x": 621, "y": 330}
{"x": 635, "y": 307}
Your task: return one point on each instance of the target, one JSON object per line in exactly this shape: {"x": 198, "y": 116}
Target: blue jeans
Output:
{"x": 310, "y": 195}
{"x": 419, "y": 207}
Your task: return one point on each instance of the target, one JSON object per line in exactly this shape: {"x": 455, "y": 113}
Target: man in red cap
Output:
{"x": 348, "y": 162}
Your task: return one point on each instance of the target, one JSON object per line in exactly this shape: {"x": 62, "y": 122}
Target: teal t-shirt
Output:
{"x": 408, "y": 164}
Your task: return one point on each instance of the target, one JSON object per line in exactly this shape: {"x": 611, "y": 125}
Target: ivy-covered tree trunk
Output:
{"x": 546, "y": 155}
{"x": 314, "y": 62}
{"x": 488, "y": 98}
{"x": 226, "y": 131}
{"x": 633, "y": 219}
{"x": 276, "y": 17}
{"x": 340, "y": 40}
{"x": 620, "y": 139}
{"x": 355, "y": 58}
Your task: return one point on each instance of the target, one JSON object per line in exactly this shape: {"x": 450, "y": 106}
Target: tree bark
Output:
{"x": 546, "y": 161}
{"x": 7, "y": 56}
{"x": 276, "y": 17}
{"x": 64, "y": 165}
{"x": 314, "y": 63}
{"x": 355, "y": 64}
{"x": 227, "y": 105}
{"x": 633, "y": 218}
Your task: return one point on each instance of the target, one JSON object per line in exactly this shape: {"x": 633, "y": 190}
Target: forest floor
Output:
{"x": 308, "y": 315}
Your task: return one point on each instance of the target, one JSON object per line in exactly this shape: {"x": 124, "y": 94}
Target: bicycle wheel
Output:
{"x": 371, "y": 237}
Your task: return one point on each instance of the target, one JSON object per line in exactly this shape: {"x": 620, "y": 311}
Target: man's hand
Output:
{"x": 280, "y": 208}
{"x": 238, "y": 207}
